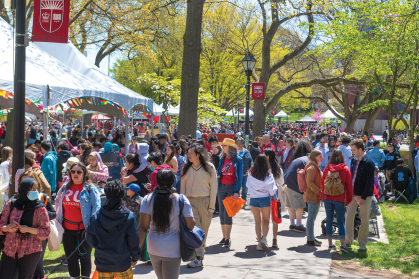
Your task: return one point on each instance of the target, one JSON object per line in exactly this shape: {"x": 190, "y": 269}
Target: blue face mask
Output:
{"x": 33, "y": 195}
{"x": 152, "y": 169}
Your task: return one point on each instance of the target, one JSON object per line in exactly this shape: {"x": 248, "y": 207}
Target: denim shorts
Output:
{"x": 260, "y": 202}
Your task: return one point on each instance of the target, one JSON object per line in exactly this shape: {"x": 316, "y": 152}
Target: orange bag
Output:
{"x": 233, "y": 206}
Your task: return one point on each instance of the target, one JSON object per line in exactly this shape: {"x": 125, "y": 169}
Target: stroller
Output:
{"x": 357, "y": 223}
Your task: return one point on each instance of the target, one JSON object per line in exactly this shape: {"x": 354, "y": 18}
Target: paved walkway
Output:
{"x": 293, "y": 259}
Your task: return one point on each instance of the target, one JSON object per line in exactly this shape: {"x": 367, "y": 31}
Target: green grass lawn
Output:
{"x": 53, "y": 259}
{"x": 402, "y": 254}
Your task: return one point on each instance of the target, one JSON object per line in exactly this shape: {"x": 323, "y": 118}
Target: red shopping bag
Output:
{"x": 233, "y": 206}
{"x": 276, "y": 211}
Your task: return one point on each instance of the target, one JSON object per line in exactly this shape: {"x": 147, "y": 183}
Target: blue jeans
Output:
{"x": 331, "y": 207}
{"x": 313, "y": 209}
{"x": 224, "y": 191}
{"x": 244, "y": 188}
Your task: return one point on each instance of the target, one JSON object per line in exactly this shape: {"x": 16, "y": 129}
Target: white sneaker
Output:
{"x": 259, "y": 247}
{"x": 264, "y": 243}
{"x": 195, "y": 263}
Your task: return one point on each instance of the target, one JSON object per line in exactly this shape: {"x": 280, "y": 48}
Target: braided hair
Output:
{"x": 114, "y": 191}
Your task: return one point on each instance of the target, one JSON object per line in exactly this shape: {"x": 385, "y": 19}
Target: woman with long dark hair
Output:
{"x": 171, "y": 158}
{"x": 293, "y": 197}
{"x": 76, "y": 202}
{"x": 160, "y": 213}
{"x": 129, "y": 176}
{"x": 84, "y": 151}
{"x": 199, "y": 184}
{"x": 261, "y": 186}
{"x": 23, "y": 243}
{"x": 276, "y": 171}
{"x": 230, "y": 172}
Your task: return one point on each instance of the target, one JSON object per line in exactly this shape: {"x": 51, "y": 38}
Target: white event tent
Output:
{"x": 71, "y": 57}
{"x": 330, "y": 115}
{"x": 45, "y": 76}
{"x": 52, "y": 81}
{"x": 282, "y": 114}
{"x": 306, "y": 119}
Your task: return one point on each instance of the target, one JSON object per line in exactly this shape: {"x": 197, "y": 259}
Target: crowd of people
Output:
{"x": 98, "y": 189}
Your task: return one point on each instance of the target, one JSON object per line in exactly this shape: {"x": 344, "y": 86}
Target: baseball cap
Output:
{"x": 205, "y": 136}
{"x": 135, "y": 188}
{"x": 71, "y": 161}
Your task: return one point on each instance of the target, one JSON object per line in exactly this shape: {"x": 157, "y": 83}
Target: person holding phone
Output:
{"x": 25, "y": 223}
{"x": 130, "y": 177}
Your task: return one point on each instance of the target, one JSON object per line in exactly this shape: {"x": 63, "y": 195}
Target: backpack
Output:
{"x": 333, "y": 184}
{"x": 301, "y": 179}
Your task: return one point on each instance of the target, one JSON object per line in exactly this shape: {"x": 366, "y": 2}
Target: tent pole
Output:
{"x": 126, "y": 133}
{"x": 45, "y": 114}
{"x": 82, "y": 123}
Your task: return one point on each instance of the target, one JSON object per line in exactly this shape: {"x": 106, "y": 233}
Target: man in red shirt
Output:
{"x": 266, "y": 143}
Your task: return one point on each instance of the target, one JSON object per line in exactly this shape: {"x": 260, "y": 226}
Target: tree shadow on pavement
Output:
{"x": 252, "y": 253}
{"x": 305, "y": 249}
{"x": 216, "y": 249}
{"x": 287, "y": 233}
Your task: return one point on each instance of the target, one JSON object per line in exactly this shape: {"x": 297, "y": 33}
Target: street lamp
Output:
{"x": 238, "y": 113}
{"x": 248, "y": 64}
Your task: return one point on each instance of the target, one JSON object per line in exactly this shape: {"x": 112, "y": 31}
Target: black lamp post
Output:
{"x": 238, "y": 113}
{"x": 248, "y": 64}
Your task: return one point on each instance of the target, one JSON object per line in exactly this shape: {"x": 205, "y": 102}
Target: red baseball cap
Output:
{"x": 205, "y": 136}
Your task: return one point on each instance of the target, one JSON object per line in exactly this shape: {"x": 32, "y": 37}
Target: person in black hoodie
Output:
{"x": 390, "y": 160}
{"x": 63, "y": 153}
{"x": 114, "y": 235}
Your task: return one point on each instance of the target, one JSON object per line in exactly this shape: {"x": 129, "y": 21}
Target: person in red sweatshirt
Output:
{"x": 156, "y": 163}
{"x": 336, "y": 203}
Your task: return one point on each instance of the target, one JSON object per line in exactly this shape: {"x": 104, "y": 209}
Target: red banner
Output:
{"x": 241, "y": 110}
{"x": 50, "y": 21}
{"x": 258, "y": 91}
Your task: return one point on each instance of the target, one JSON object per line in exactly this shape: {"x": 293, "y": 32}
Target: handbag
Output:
{"x": 186, "y": 253}
{"x": 194, "y": 238}
{"x": 56, "y": 235}
{"x": 276, "y": 211}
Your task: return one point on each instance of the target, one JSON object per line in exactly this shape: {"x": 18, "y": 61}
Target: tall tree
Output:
{"x": 190, "y": 68}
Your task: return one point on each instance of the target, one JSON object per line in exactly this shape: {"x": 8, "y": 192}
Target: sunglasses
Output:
{"x": 76, "y": 171}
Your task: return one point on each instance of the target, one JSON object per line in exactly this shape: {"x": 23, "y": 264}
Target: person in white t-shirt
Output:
{"x": 346, "y": 150}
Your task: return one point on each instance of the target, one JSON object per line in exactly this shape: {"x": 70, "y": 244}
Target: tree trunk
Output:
{"x": 8, "y": 141}
{"x": 188, "y": 114}
{"x": 258, "y": 117}
{"x": 369, "y": 122}
{"x": 350, "y": 125}
{"x": 412, "y": 129}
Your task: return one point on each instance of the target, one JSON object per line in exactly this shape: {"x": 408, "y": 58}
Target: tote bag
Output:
{"x": 56, "y": 235}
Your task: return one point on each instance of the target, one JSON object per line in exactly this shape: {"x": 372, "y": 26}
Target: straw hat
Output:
{"x": 71, "y": 161}
{"x": 229, "y": 142}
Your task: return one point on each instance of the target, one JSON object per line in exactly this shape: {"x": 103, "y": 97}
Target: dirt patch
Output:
{"x": 354, "y": 268}
{"x": 391, "y": 207}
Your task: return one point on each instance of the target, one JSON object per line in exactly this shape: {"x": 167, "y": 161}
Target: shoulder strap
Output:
{"x": 181, "y": 204}
{"x": 45, "y": 199}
